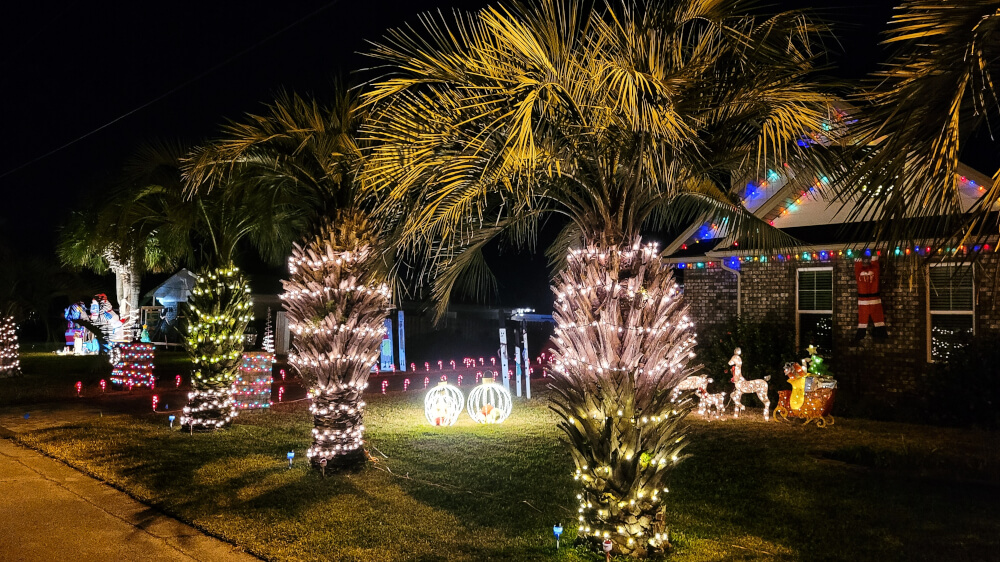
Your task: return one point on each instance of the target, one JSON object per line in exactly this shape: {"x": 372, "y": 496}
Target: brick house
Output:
{"x": 933, "y": 302}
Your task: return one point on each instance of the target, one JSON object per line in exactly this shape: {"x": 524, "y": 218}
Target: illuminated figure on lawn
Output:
{"x": 743, "y": 386}
{"x": 813, "y": 390}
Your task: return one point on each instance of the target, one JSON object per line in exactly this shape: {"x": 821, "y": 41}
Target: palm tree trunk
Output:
{"x": 623, "y": 342}
{"x": 336, "y": 317}
{"x": 219, "y": 311}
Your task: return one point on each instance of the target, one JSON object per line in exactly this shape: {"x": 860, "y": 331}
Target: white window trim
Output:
{"x": 798, "y": 312}
{"x": 930, "y": 313}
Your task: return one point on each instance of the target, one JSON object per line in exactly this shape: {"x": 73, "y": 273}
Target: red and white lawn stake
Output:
{"x": 440, "y": 365}
{"x": 282, "y": 374}
{"x": 452, "y": 364}
{"x": 608, "y": 545}
{"x": 481, "y": 362}
{"x": 413, "y": 366}
{"x": 79, "y": 387}
{"x": 444, "y": 378}
{"x": 493, "y": 360}
{"x": 392, "y": 367}
{"x": 479, "y": 375}
{"x": 177, "y": 381}
{"x": 459, "y": 380}
{"x": 104, "y": 384}
{"x": 427, "y": 382}
{"x": 156, "y": 400}
{"x": 385, "y": 383}
{"x": 281, "y": 393}
{"x": 406, "y": 384}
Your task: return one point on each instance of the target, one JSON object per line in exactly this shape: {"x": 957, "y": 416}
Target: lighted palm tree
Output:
{"x": 124, "y": 231}
{"x": 335, "y": 297}
{"x": 635, "y": 116}
{"x": 935, "y": 92}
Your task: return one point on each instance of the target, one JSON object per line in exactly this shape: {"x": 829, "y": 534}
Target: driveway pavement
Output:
{"x": 49, "y": 511}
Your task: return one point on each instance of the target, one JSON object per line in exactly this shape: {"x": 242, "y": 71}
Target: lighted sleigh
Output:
{"x": 810, "y": 399}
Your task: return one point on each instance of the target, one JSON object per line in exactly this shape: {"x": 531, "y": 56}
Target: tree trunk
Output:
{"x": 337, "y": 318}
{"x": 623, "y": 342}
{"x": 219, "y": 311}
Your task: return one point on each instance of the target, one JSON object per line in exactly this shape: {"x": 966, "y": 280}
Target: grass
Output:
{"x": 859, "y": 490}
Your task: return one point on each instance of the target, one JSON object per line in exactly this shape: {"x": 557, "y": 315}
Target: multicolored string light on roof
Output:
{"x": 734, "y": 262}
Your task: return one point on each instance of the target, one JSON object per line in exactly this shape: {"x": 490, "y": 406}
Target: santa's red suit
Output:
{"x": 869, "y": 300}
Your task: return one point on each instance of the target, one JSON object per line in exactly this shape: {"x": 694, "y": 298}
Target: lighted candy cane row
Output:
{"x": 488, "y": 403}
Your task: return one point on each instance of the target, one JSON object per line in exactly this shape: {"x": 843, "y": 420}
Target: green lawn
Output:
{"x": 858, "y": 490}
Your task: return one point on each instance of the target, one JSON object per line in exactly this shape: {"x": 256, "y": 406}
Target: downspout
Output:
{"x": 739, "y": 299}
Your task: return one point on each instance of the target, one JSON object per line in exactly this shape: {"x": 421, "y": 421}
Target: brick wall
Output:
{"x": 896, "y": 366}
{"x": 711, "y": 296}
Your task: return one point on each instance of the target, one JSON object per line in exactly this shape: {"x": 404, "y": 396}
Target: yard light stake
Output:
{"x": 177, "y": 381}
{"x": 79, "y": 386}
{"x": 322, "y": 467}
{"x": 291, "y": 455}
{"x": 557, "y": 530}
{"x": 104, "y": 384}
{"x": 156, "y": 400}
{"x": 171, "y": 418}
{"x": 608, "y": 545}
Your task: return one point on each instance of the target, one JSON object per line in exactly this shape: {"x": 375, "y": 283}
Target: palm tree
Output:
{"x": 125, "y": 232}
{"x": 634, "y": 117}
{"x": 336, "y": 299}
{"x": 933, "y": 95}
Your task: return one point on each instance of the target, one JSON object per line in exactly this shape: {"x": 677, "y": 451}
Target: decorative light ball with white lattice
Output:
{"x": 489, "y": 402}
{"x": 443, "y": 404}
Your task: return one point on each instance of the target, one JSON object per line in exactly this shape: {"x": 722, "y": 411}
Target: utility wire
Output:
{"x": 171, "y": 91}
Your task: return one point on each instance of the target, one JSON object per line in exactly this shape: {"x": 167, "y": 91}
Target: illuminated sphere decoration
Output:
{"x": 443, "y": 404}
{"x": 489, "y": 402}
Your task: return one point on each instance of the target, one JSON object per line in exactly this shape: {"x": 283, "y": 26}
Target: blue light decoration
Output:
{"x": 171, "y": 418}
{"x": 733, "y": 263}
{"x": 557, "y": 530}
{"x": 291, "y": 456}
{"x": 772, "y": 176}
{"x": 824, "y": 255}
{"x": 868, "y": 253}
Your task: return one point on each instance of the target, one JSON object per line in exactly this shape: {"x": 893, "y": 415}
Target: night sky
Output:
{"x": 124, "y": 74}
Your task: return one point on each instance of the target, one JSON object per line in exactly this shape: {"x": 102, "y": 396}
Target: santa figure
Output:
{"x": 869, "y": 300}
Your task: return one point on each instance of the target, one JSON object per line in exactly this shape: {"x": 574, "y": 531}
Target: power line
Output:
{"x": 171, "y": 91}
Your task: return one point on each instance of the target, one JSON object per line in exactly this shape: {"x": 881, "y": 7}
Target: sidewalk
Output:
{"x": 49, "y": 511}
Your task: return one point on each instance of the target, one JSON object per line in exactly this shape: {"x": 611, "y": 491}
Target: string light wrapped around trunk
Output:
{"x": 252, "y": 387}
{"x": 336, "y": 311}
{"x": 622, "y": 343}
{"x": 134, "y": 365}
{"x": 219, "y": 310}
{"x": 10, "y": 362}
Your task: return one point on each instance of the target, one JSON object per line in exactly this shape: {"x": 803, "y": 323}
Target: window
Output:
{"x": 950, "y": 306}
{"x": 815, "y": 308}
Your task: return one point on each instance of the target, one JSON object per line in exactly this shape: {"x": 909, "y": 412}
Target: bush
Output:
{"x": 966, "y": 389}
{"x": 765, "y": 348}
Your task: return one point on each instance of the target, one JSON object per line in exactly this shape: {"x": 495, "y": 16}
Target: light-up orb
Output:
{"x": 489, "y": 402}
{"x": 443, "y": 404}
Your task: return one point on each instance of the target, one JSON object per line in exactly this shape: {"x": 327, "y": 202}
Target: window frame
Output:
{"x": 799, "y": 312}
{"x": 931, "y": 313}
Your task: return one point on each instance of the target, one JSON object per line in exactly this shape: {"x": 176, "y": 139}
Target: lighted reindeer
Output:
{"x": 743, "y": 386}
{"x": 711, "y": 405}
{"x": 697, "y": 383}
